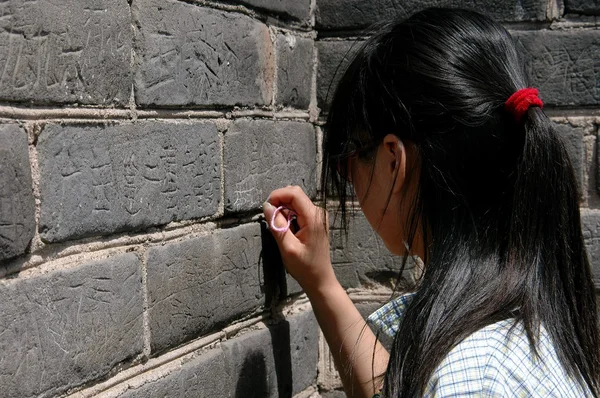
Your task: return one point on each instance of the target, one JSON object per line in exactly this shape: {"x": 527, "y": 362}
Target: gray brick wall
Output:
{"x": 138, "y": 140}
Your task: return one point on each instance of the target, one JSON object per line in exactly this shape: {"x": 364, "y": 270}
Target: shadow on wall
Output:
{"x": 252, "y": 381}
{"x": 260, "y": 366}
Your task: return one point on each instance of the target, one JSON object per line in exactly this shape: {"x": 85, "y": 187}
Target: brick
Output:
{"x": 275, "y": 362}
{"x": 333, "y": 59}
{"x": 573, "y": 140}
{"x": 262, "y": 155}
{"x": 190, "y": 55}
{"x": 356, "y": 14}
{"x": 294, "y": 71}
{"x": 278, "y": 362}
{"x": 362, "y": 258}
{"x": 590, "y": 221}
{"x": 586, "y": 7}
{"x": 297, "y": 9}
{"x": 67, "y": 327}
{"x": 197, "y": 285}
{"x": 65, "y": 52}
{"x": 17, "y": 206}
{"x": 101, "y": 179}
{"x": 563, "y": 66}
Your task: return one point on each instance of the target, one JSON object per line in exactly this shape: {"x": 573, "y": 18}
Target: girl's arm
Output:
{"x": 351, "y": 341}
{"x": 306, "y": 256}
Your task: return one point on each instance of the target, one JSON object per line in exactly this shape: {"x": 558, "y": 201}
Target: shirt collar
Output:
{"x": 387, "y": 318}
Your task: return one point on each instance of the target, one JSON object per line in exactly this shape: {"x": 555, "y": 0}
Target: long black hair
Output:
{"x": 497, "y": 199}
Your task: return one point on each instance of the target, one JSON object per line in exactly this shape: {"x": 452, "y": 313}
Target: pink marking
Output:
{"x": 290, "y": 217}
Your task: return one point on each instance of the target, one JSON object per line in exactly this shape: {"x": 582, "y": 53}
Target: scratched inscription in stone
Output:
{"x": 565, "y": 67}
{"x": 101, "y": 179}
{"x": 187, "y": 54}
{"x": 261, "y": 156}
{"x": 199, "y": 284}
{"x": 352, "y": 14}
{"x": 63, "y": 328}
{"x": 362, "y": 255}
{"x": 73, "y": 51}
{"x": 17, "y": 211}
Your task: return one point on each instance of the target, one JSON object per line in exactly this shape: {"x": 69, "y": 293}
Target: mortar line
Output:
{"x": 312, "y": 14}
{"x": 221, "y": 208}
{"x": 273, "y": 36}
{"x": 313, "y": 108}
{"x": 110, "y": 115}
{"x": 62, "y": 255}
{"x": 147, "y": 333}
{"x": 32, "y": 134}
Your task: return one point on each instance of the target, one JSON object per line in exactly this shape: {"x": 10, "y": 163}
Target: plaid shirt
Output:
{"x": 490, "y": 362}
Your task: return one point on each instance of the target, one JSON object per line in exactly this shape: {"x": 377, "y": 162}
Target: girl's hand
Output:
{"x": 305, "y": 254}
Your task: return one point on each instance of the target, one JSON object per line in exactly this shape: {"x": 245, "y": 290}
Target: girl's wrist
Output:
{"x": 326, "y": 288}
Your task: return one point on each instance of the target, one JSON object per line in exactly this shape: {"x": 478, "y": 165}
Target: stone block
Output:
{"x": 361, "y": 258}
{"x": 68, "y": 51}
{"x": 191, "y": 55}
{"x": 562, "y": 65}
{"x": 197, "y": 285}
{"x": 17, "y": 206}
{"x": 296, "y": 9}
{"x": 334, "y": 56}
{"x": 276, "y": 362}
{"x": 101, "y": 179}
{"x": 262, "y": 155}
{"x": 356, "y": 14}
{"x": 573, "y": 140}
{"x": 67, "y": 327}
{"x": 586, "y": 7}
{"x": 294, "y": 71}
{"x": 590, "y": 221}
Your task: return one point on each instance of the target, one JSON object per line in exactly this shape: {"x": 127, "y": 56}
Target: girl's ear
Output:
{"x": 395, "y": 157}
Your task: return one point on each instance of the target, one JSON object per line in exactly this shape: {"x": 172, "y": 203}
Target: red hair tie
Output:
{"x": 520, "y": 101}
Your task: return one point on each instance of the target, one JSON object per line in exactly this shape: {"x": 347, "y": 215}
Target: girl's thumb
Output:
{"x": 268, "y": 210}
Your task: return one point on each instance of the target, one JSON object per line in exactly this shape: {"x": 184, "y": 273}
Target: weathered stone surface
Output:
{"x": 17, "y": 207}
{"x": 100, "y": 179}
{"x": 278, "y": 362}
{"x": 191, "y": 55}
{"x": 334, "y": 57}
{"x": 573, "y": 140}
{"x": 297, "y": 9}
{"x": 587, "y": 7}
{"x": 354, "y": 14}
{"x": 590, "y": 221}
{"x": 200, "y": 284}
{"x": 363, "y": 258}
{"x": 262, "y": 155}
{"x": 67, "y": 51}
{"x": 67, "y": 327}
{"x": 275, "y": 362}
{"x": 294, "y": 71}
{"x": 565, "y": 67}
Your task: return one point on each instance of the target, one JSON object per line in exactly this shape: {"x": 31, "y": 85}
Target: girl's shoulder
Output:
{"x": 498, "y": 361}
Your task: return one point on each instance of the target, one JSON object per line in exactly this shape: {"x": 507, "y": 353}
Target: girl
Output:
{"x": 452, "y": 159}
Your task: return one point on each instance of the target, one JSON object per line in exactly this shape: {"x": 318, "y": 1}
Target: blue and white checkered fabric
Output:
{"x": 491, "y": 362}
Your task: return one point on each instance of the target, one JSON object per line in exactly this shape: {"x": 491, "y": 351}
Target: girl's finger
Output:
{"x": 286, "y": 239}
{"x": 295, "y": 199}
